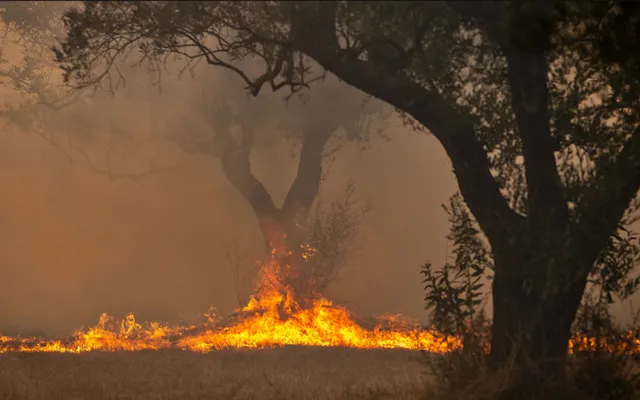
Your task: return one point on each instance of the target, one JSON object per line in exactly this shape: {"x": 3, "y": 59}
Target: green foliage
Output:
{"x": 460, "y": 57}
{"x": 452, "y": 49}
{"x": 613, "y": 272}
{"x": 454, "y": 293}
{"x": 453, "y": 297}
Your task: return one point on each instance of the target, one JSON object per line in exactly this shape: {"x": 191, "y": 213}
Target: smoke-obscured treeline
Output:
{"x": 105, "y": 211}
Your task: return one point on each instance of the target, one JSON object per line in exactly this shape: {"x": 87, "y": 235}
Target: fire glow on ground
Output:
{"x": 272, "y": 318}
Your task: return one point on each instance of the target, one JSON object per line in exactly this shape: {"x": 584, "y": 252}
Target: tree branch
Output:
{"x": 306, "y": 185}
{"x": 524, "y": 38}
{"x": 109, "y": 172}
{"x": 454, "y": 131}
{"x": 236, "y": 166}
{"x": 527, "y": 75}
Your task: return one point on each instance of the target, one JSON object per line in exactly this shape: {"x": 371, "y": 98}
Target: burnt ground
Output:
{"x": 281, "y": 373}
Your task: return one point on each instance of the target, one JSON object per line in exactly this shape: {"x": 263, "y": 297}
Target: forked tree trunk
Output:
{"x": 284, "y": 228}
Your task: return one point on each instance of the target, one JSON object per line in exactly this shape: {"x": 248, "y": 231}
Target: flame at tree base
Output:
{"x": 272, "y": 318}
{"x": 270, "y": 321}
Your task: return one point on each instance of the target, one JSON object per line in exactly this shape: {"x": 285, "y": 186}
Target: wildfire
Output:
{"x": 272, "y": 318}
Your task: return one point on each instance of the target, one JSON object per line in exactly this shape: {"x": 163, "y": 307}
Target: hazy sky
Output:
{"x": 75, "y": 244}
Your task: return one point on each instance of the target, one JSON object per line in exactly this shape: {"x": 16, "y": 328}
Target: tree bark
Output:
{"x": 534, "y": 308}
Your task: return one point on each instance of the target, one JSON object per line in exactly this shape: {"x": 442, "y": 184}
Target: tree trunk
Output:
{"x": 285, "y": 236}
{"x": 533, "y": 313}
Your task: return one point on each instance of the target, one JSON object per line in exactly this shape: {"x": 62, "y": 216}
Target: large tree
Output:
{"x": 545, "y": 93}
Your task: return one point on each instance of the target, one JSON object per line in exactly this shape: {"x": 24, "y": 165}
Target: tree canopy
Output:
{"x": 457, "y": 62}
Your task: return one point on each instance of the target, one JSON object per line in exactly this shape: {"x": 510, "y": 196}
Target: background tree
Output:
{"x": 227, "y": 124}
{"x": 66, "y": 119}
{"x": 546, "y": 94}
{"x": 46, "y": 107}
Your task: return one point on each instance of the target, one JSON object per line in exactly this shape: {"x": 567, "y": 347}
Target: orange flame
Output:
{"x": 272, "y": 318}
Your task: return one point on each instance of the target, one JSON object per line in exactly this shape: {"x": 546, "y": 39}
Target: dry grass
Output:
{"x": 286, "y": 373}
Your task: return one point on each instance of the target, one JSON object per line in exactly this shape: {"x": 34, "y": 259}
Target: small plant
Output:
{"x": 332, "y": 234}
{"x": 454, "y": 294}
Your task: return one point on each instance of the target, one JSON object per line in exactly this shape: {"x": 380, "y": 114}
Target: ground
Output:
{"x": 282, "y": 374}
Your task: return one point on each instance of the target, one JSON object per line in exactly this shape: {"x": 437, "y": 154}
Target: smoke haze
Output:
{"x": 75, "y": 243}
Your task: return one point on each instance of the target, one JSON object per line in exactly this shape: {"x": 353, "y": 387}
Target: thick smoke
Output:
{"x": 124, "y": 220}
{"x": 83, "y": 237}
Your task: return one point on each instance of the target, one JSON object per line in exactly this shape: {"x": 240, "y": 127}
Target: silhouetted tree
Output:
{"x": 235, "y": 124}
{"x": 540, "y": 92}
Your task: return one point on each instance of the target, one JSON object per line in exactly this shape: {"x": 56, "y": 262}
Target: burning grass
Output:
{"x": 269, "y": 322}
{"x": 272, "y": 348}
{"x": 272, "y": 318}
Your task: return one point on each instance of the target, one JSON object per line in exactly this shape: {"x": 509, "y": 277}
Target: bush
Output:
{"x": 332, "y": 233}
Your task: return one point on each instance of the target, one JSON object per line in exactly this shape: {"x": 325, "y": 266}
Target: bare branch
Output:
{"x": 152, "y": 169}
{"x": 306, "y": 184}
{"x": 237, "y": 168}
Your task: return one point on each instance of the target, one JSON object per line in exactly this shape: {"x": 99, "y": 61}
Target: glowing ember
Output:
{"x": 272, "y": 318}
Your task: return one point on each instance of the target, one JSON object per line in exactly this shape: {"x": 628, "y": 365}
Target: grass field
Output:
{"x": 282, "y": 374}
